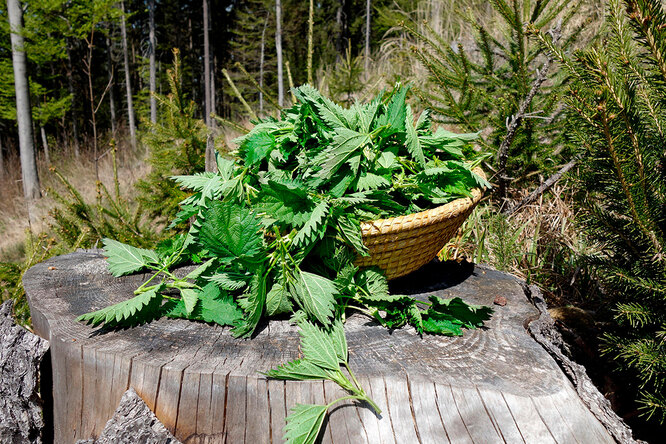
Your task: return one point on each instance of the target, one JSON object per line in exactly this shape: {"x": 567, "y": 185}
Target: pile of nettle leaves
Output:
{"x": 277, "y": 229}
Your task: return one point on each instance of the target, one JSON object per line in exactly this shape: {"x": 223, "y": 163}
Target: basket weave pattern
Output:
{"x": 400, "y": 245}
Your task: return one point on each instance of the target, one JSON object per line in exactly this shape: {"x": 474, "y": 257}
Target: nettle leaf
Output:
{"x": 213, "y": 306}
{"x": 201, "y": 269}
{"x": 304, "y": 423}
{"x": 318, "y": 347}
{"x": 128, "y": 310}
{"x": 351, "y": 233}
{"x": 374, "y": 282}
{"x": 412, "y": 141}
{"x": 369, "y": 181}
{"x": 339, "y": 340}
{"x": 470, "y": 316}
{"x": 256, "y": 145}
{"x": 345, "y": 142}
{"x": 278, "y": 300}
{"x": 315, "y": 226}
{"x": 190, "y": 297}
{"x": 230, "y": 281}
{"x": 316, "y": 295}
{"x": 208, "y": 184}
{"x": 328, "y": 111}
{"x": 288, "y": 203}
{"x": 253, "y": 303}
{"x": 424, "y": 121}
{"x": 395, "y": 113}
{"x": 231, "y": 231}
{"x": 299, "y": 369}
{"x": 124, "y": 259}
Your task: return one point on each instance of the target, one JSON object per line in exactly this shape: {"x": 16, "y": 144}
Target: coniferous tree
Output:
{"x": 177, "y": 146}
{"x": 618, "y": 117}
{"x": 482, "y": 88}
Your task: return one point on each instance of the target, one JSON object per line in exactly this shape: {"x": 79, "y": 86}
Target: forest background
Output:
{"x": 126, "y": 94}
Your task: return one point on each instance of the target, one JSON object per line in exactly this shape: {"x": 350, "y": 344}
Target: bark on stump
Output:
{"x": 21, "y": 353}
{"x": 495, "y": 384}
{"x": 132, "y": 423}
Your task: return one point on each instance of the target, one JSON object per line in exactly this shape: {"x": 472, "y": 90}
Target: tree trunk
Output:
{"x": 208, "y": 94}
{"x": 128, "y": 83}
{"x": 23, "y": 115}
{"x": 112, "y": 96}
{"x": 45, "y": 145}
{"x": 206, "y": 61}
{"x": 152, "y": 44}
{"x": 278, "y": 49}
{"x": 262, "y": 59}
{"x": 368, "y": 8}
{"x": 70, "y": 85}
{"x": 213, "y": 99}
{"x": 2, "y": 163}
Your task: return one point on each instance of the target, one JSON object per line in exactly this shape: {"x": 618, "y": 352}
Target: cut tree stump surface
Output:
{"x": 492, "y": 385}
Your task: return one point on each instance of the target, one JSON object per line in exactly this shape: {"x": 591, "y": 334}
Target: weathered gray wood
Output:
{"x": 21, "y": 353}
{"x": 491, "y": 385}
{"x": 133, "y": 423}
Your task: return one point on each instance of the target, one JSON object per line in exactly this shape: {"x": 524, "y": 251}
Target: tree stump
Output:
{"x": 494, "y": 384}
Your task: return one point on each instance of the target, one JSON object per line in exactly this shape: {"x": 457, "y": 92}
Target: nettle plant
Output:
{"x": 276, "y": 232}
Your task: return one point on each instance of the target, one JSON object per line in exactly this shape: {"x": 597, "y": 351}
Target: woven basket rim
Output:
{"x": 405, "y": 222}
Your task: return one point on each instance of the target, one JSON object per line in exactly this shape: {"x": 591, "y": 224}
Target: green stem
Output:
{"x": 358, "y": 386}
{"x": 362, "y": 397}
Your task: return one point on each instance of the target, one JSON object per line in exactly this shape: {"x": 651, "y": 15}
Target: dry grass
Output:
{"x": 15, "y": 216}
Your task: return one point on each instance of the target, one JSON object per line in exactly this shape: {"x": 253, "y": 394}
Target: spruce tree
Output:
{"x": 177, "y": 146}
{"x": 481, "y": 86}
{"x": 618, "y": 118}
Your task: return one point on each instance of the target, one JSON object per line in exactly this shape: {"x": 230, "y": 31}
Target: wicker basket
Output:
{"x": 403, "y": 244}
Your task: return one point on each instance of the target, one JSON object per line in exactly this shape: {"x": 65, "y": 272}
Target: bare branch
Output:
{"x": 513, "y": 122}
{"x": 534, "y": 195}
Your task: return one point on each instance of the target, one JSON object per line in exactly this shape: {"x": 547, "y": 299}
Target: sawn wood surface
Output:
{"x": 492, "y": 385}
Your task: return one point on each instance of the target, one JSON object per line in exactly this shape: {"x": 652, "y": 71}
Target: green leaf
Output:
{"x": 373, "y": 281}
{"x": 230, "y": 231}
{"x": 316, "y": 295}
{"x": 258, "y": 143}
{"x": 449, "y": 316}
{"x": 298, "y": 370}
{"x": 351, "y": 232}
{"x": 201, "y": 269}
{"x": 370, "y": 181}
{"x": 229, "y": 281}
{"x": 337, "y": 335}
{"x": 304, "y": 423}
{"x": 213, "y": 306}
{"x": 126, "y": 310}
{"x": 253, "y": 304}
{"x": 278, "y": 300}
{"x": 315, "y": 226}
{"x": 210, "y": 185}
{"x": 190, "y": 297}
{"x": 318, "y": 347}
{"x": 345, "y": 142}
{"x": 412, "y": 141}
{"x": 287, "y": 202}
{"x": 124, "y": 259}
{"x": 470, "y": 316}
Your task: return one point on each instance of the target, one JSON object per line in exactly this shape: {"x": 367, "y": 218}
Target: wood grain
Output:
{"x": 494, "y": 384}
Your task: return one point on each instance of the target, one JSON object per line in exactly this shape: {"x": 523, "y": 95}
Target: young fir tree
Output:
{"x": 481, "y": 86}
{"x": 618, "y": 118}
{"x": 177, "y": 145}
